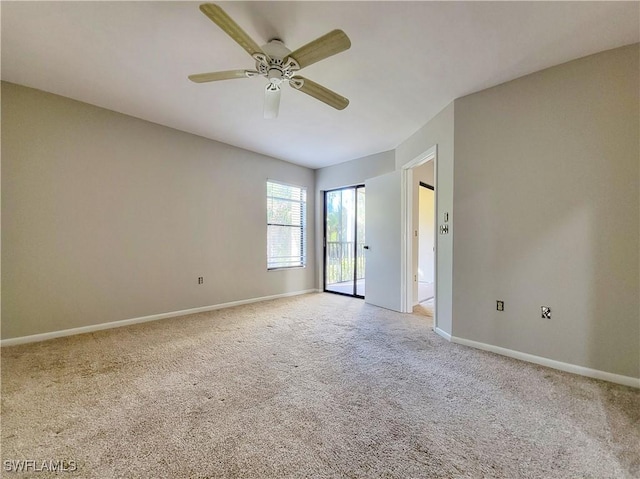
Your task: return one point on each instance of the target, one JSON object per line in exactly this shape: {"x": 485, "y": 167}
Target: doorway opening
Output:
{"x": 413, "y": 173}
{"x": 424, "y": 250}
{"x": 344, "y": 241}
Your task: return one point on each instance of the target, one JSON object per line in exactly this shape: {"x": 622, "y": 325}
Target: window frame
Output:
{"x": 302, "y": 226}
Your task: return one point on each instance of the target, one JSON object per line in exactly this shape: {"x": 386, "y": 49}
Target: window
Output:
{"x": 286, "y": 226}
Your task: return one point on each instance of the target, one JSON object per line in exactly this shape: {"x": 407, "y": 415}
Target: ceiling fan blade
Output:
{"x": 327, "y": 45}
{"x": 215, "y": 76}
{"x": 231, "y": 28}
{"x": 271, "y": 102}
{"x": 319, "y": 92}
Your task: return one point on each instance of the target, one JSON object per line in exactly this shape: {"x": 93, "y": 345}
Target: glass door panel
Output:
{"x": 344, "y": 241}
{"x": 339, "y": 246}
{"x": 360, "y": 240}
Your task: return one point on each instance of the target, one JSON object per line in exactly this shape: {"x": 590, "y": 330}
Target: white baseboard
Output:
{"x": 550, "y": 363}
{"x": 154, "y": 317}
{"x": 442, "y": 333}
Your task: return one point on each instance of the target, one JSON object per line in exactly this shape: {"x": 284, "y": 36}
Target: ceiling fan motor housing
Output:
{"x": 273, "y": 65}
{"x": 276, "y": 49}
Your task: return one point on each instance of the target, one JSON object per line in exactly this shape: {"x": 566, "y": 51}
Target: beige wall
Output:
{"x": 546, "y": 213}
{"x": 355, "y": 172}
{"x": 107, "y": 217}
{"x": 438, "y": 131}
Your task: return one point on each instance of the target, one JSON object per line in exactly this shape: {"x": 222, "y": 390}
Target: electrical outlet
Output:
{"x": 500, "y": 305}
{"x": 200, "y": 280}
{"x": 545, "y": 312}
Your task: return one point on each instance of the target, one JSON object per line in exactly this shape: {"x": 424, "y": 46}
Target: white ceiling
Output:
{"x": 408, "y": 60}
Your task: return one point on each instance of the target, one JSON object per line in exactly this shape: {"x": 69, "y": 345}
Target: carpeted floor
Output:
{"x": 315, "y": 386}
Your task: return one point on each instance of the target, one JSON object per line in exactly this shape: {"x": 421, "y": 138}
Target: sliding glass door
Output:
{"x": 344, "y": 241}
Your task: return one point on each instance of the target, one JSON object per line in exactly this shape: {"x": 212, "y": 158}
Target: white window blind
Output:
{"x": 286, "y": 225}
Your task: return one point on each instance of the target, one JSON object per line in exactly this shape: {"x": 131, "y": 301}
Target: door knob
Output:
{"x": 366, "y": 247}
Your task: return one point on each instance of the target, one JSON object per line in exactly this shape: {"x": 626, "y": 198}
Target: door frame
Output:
{"x": 407, "y": 229}
{"x": 355, "y": 241}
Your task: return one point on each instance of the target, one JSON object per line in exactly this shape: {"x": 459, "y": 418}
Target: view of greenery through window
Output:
{"x": 343, "y": 254}
{"x": 286, "y": 225}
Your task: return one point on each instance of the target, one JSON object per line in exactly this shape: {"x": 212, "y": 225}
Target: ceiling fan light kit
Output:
{"x": 277, "y": 63}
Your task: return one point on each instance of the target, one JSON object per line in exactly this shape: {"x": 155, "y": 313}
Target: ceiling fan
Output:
{"x": 277, "y": 63}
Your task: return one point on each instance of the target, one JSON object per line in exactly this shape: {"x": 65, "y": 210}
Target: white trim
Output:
{"x": 551, "y": 363}
{"x": 442, "y": 333}
{"x": 435, "y": 238}
{"x": 143, "y": 319}
{"x": 406, "y": 270}
{"x": 406, "y": 209}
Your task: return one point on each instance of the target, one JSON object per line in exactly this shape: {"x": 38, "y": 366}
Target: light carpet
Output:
{"x": 316, "y": 386}
{"x": 426, "y": 308}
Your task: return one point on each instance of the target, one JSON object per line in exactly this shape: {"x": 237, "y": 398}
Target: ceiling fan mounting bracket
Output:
{"x": 262, "y": 60}
{"x": 296, "y": 83}
{"x": 291, "y": 64}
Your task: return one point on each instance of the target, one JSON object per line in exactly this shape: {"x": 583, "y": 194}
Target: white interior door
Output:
{"x": 383, "y": 232}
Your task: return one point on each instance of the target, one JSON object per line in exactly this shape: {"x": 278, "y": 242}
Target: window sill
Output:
{"x": 279, "y": 268}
